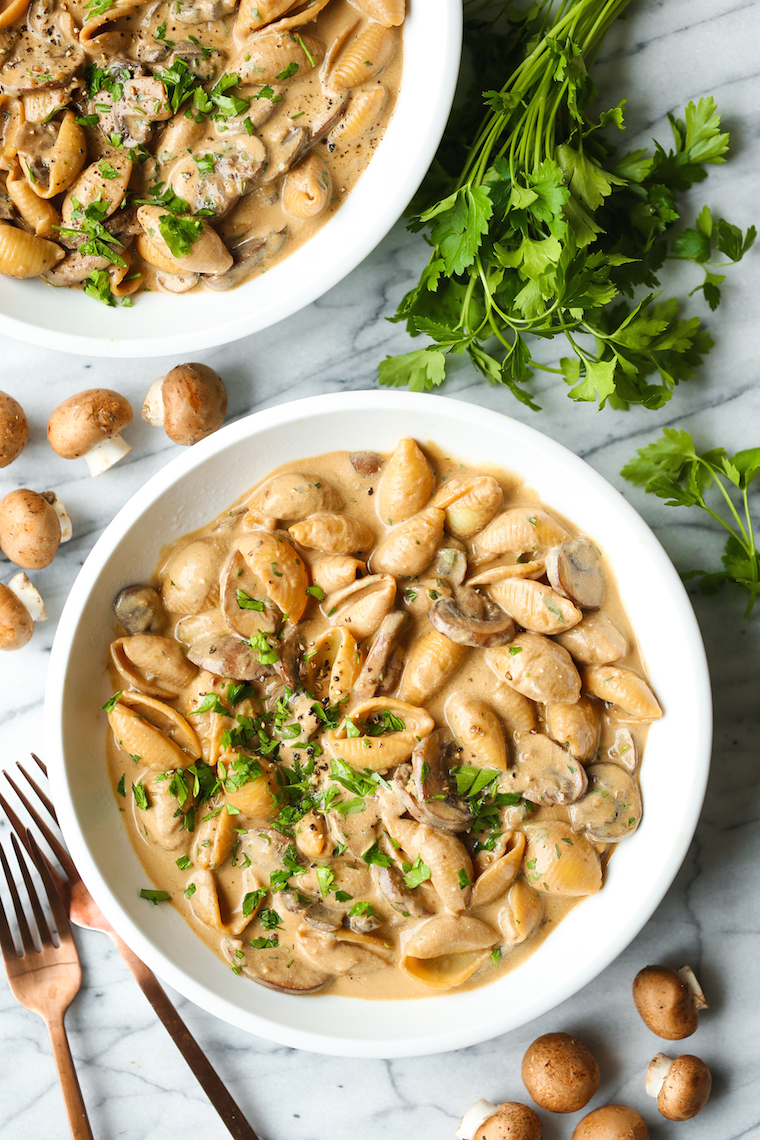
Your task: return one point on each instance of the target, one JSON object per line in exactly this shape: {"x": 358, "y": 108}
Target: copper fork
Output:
{"x": 45, "y": 980}
{"x": 84, "y": 911}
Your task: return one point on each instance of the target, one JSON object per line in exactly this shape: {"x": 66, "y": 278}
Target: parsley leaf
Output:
{"x": 154, "y": 897}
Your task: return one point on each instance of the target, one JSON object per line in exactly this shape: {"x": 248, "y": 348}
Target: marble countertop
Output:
{"x": 134, "y": 1081}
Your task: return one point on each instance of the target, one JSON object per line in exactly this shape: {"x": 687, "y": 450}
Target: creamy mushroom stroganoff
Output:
{"x": 378, "y": 725}
{"x": 183, "y": 144}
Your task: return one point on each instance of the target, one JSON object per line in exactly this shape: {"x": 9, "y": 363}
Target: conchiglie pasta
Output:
{"x": 362, "y": 115}
{"x": 406, "y": 484}
{"x": 371, "y": 51}
{"x": 389, "y": 13}
{"x": 59, "y": 166}
{"x": 25, "y": 255}
{"x": 40, "y": 216}
{"x": 307, "y": 189}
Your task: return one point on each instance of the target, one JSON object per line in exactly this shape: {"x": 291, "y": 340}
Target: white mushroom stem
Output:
{"x": 104, "y": 455}
{"x": 29, "y": 596}
{"x": 687, "y": 975}
{"x": 63, "y": 514}
{"x": 153, "y": 408}
{"x": 476, "y": 1116}
{"x": 659, "y": 1067}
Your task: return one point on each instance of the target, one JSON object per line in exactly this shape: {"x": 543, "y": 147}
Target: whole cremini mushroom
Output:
{"x": 140, "y": 610}
{"x": 89, "y": 425}
{"x": 32, "y": 526}
{"x": 20, "y": 607}
{"x": 190, "y": 402}
{"x": 509, "y": 1121}
{"x": 611, "y": 1122}
{"x": 14, "y": 429}
{"x": 669, "y": 1001}
{"x": 681, "y": 1087}
{"x": 560, "y": 1073}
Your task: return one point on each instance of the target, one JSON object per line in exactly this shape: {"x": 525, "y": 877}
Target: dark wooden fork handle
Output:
{"x": 207, "y": 1077}
{"x": 72, "y": 1094}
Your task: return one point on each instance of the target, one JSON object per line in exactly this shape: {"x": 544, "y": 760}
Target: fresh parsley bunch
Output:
{"x": 539, "y": 229}
{"x": 672, "y": 469}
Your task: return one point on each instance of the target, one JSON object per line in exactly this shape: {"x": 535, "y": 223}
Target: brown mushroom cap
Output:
{"x": 30, "y": 530}
{"x": 511, "y": 1121}
{"x": 16, "y": 625}
{"x": 611, "y": 1122}
{"x": 87, "y": 419}
{"x": 665, "y": 1003}
{"x": 560, "y": 1073}
{"x": 195, "y": 403}
{"x": 685, "y": 1089}
{"x": 14, "y": 429}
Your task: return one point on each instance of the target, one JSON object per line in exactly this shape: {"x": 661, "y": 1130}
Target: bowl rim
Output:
{"x": 348, "y": 237}
{"x": 363, "y": 402}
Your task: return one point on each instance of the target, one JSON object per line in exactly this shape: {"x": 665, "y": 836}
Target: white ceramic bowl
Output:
{"x": 192, "y": 490}
{"x": 160, "y": 324}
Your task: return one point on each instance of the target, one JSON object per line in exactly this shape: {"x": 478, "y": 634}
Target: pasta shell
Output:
{"x": 240, "y": 595}
{"x": 207, "y": 906}
{"x": 450, "y": 865}
{"x": 150, "y": 253}
{"x": 164, "y": 823}
{"x": 144, "y": 742}
{"x": 12, "y": 12}
{"x": 535, "y": 606}
{"x": 335, "y": 572}
{"x": 595, "y": 641}
{"x": 189, "y": 579}
{"x": 387, "y": 750}
{"x": 520, "y": 530}
{"x": 60, "y": 166}
{"x": 522, "y": 913}
{"x": 432, "y": 661}
{"x": 259, "y": 799}
{"x": 115, "y": 11}
{"x": 470, "y": 502}
{"x": 41, "y": 106}
{"x": 124, "y": 279}
{"x": 389, "y": 13}
{"x": 622, "y": 688}
{"x": 332, "y": 534}
{"x": 576, "y": 726}
{"x": 268, "y": 57}
{"x": 410, "y": 547}
{"x": 165, "y": 718}
{"x": 406, "y": 484}
{"x": 40, "y": 216}
{"x": 208, "y": 254}
{"x": 311, "y": 835}
{"x": 444, "y": 951}
{"x": 477, "y": 729}
{"x": 514, "y": 568}
{"x": 254, "y": 14}
{"x": 103, "y": 181}
{"x": 343, "y": 951}
{"x": 498, "y": 877}
{"x": 333, "y": 666}
{"x": 25, "y": 255}
{"x": 517, "y": 713}
{"x": 307, "y": 189}
{"x": 538, "y": 668}
{"x": 214, "y": 839}
{"x": 281, "y": 570}
{"x": 293, "y": 496}
{"x": 362, "y": 606}
{"x": 362, "y": 114}
{"x": 12, "y": 115}
{"x": 371, "y": 51}
{"x": 155, "y": 665}
{"x": 558, "y": 861}
{"x": 611, "y": 810}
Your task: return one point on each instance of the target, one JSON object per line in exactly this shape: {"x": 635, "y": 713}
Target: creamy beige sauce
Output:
{"x": 190, "y": 573}
{"x": 92, "y": 139}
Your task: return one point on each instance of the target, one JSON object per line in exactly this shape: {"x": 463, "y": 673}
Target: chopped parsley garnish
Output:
{"x": 464, "y": 879}
{"x": 269, "y": 919}
{"x": 265, "y": 943}
{"x": 98, "y": 286}
{"x": 245, "y": 601}
{"x": 288, "y": 72}
{"x": 154, "y": 897}
{"x": 89, "y": 224}
{"x": 361, "y": 909}
{"x": 373, "y": 856}
{"x": 184, "y": 862}
{"x": 384, "y": 721}
{"x": 416, "y": 873}
{"x": 190, "y": 891}
{"x": 86, "y": 120}
{"x": 316, "y": 592}
{"x": 253, "y": 901}
{"x": 180, "y": 234}
{"x": 112, "y": 702}
{"x": 325, "y": 878}
{"x": 211, "y": 703}
{"x": 205, "y": 163}
{"x": 141, "y": 796}
{"x": 160, "y": 34}
{"x": 121, "y": 786}
{"x": 108, "y": 171}
{"x": 268, "y": 653}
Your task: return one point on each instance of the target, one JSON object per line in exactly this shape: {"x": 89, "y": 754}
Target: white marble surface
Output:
{"x": 134, "y": 1081}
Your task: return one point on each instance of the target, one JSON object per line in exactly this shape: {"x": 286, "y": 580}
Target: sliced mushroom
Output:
{"x": 535, "y": 606}
{"x": 139, "y": 609}
{"x": 279, "y": 969}
{"x": 313, "y": 911}
{"x": 538, "y": 668}
{"x": 611, "y": 809}
{"x": 229, "y": 657}
{"x": 426, "y": 787}
{"x": 623, "y": 751}
{"x": 291, "y": 655}
{"x": 246, "y": 608}
{"x": 449, "y": 618}
{"x": 596, "y": 640}
{"x": 451, "y": 563}
{"x": 165, "y": 821}
{"x": 376, "y": 666}
{"x": 390, "y": 881}
{"x": 545, "y": 773}
{"x": 366, "y": 463}
{"x": 575, "y": 571}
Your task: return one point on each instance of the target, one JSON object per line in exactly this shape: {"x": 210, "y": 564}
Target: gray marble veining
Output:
{"x": 135, "y": 1083}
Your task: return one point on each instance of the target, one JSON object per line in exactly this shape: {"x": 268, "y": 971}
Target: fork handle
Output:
{"x": 207, "y": 1076}
{"x": 72, "y": 1094}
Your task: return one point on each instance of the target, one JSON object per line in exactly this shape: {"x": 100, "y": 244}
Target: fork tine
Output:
{"x": 6, "y": 940}
{"x": 14, "y": 821}
{"x": 23, "y": 926}
{"x": 42, "y": 863}
{"x": 39, "y": 763}
{"x": 38, "y": 791}
{"x": 61, "y": 853}
{"x": 39, "y": 915}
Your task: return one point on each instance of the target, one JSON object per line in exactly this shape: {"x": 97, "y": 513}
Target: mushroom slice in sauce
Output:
{"x": 611, "y": 810}
{"x": 140, "y": 610}
{"x": 245, "y": 610}
{"x": 596, "y": 640}
{"x": 544, "y": 772}
{"x": 451, "y": 563}
{"x": 538, "y": 668}
{"x": 390, "y": 882}
{"x": 278, "y": 969}
{"x": 375, "y": 667}
{"x": 426, "y": 787}
{"x": 575, "y": 570}
{"x": 312, "y": 911}
{"x": 535, "y": 606}
{"x": 623, "y": 751}
{"x": 449, "y": 618}
{"x": 229, "y": 657}
{"x": 446, "y": 950}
